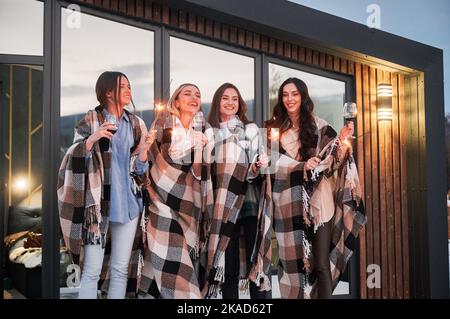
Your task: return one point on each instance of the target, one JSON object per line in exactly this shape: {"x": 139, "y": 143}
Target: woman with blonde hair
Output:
{"x": 180, "y": 195}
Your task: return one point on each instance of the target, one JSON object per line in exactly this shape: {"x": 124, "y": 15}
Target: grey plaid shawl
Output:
{"x": 84, "y": 192}
{"x": 233, "y": 155}
{"x": 294, "y": 224}
{"x": 174, "y": 229}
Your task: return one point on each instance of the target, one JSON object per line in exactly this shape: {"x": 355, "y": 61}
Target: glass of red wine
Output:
{"x": 350, "y": 111}
{"x": 104, "y": 142}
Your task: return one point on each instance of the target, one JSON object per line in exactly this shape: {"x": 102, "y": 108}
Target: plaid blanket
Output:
{"x": 174, "y": 229}
{"x": 294, "y": 224}
{"x": 259, "y": 269}
{"x": 83, "y": 191}
{"x": 233, "y": 155}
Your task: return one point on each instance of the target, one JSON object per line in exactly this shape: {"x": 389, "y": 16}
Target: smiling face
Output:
{"x": 123, "y": 92}
{"x": 188, "y": 101}
{"x": 292, "y": 99}
{"x": 229, "y": 104}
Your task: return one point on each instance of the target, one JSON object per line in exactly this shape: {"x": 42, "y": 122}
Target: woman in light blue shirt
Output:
{"x": 118, "y": 135}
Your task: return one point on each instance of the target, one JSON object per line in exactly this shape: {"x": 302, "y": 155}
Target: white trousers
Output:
{"x": 122, "y": 237}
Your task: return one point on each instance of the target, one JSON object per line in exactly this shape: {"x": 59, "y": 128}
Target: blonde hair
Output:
{"x": 171, "y": 106}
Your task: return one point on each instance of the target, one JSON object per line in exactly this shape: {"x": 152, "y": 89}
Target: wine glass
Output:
{"x": 236, "y": 127}
{"x": 104, "y": 142}
{"x": 350, "y": 111}
{"x": 198, "y": 121}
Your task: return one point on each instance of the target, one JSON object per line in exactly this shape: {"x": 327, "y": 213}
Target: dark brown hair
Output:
{"x": 280, "y": 118}
{"x": 110, "y": 81}
{"x": 214, "y": 113}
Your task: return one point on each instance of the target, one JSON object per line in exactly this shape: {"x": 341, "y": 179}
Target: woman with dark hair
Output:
{"x": 317, "y": 215}
{"x": 99, "y": 190}
{"x": 238, "y": 161}
{"x": 180, "y": 193}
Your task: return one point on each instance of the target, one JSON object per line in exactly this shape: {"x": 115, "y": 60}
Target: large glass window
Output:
{"x": 327, "y": 94}
{"x": 209, "y": 68}
{"x": 21, "y": 171}
{"x": 22, "y": 27}
{"x": 99, "y": 45}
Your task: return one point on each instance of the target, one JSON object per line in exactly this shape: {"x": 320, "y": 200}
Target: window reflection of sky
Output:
{"x": 22, "y": 27}
{"x": 100, "y": 45}
{"x": 209, "y": 68}
{"x": 327, "y": 94}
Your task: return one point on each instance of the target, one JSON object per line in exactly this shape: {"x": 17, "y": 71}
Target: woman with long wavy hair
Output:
{"x": 318, "y": 210}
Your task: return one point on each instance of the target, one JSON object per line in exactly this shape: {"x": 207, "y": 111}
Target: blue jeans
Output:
{"x": 122, "y": 237}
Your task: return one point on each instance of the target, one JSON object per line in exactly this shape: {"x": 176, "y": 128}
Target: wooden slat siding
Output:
{"x": 287, "y": 50}
{"x": 115, "y": 5}
{"x": 131, "y": 8}
{"x": 200, "y": 25}
{"x": 368, "y": 172}
{"x": 323, "y": 61}
{"x": 98, "y": 3}
{"x": 315, "y": 57}
{"x": 217, "y": 30}
{"x": 233, "y": 34}
{"x": 256, "y": 41}
{"x": 264, "y": 43}
{"x": 123, "y": 7}
{"x": 140, "y": 8}
{"x": 397, "y": 191}
{"x": 412, "y": 163}
{"x": 343, "y": 66}
{"x": 351, "y": 67}
{"x": 106, "y": 4}
{"x": 403, "y": 186}
{"x": 301, "y": 54}
{"x": 374, "y": 171}
{"x": 382, "y": 197}
{"x": 294, "y": 52}
{"x": 329, "y": 62}
{"x": 89, "y": 1}
{"x": 280, "y": 47}
{"x": 156, "y": 12}
{"x": 225, "y": 32}
{"x": 336, "y": 64}
{"x": 390, "y": 203}
{"x": 241, "y": 37}
{"x": 148, "y": 10}
{"x": 192, "y": 22}
{"x": 249, "y": 39}
{"x": 182, "y": 19}
{"x": 209, "y": 28}
{"x": 173, "y": 14}
{"x": 360, "y": 162}
{"x": 165, "y": 15}
{"x": 272, "y": 46}
{"x": 308, "y": 58}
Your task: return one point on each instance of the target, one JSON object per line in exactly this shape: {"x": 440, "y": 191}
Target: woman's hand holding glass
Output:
{"x": 104, "y": 131}
{"x": 312, "y": 163}
{"x": 261, "y": 163}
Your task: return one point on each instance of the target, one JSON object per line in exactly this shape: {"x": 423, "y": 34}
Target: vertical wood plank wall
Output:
{"x": 381, "y": 146}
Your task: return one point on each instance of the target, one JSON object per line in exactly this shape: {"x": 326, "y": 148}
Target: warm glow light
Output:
{"x": 384, "y": 114}
{"x": 274, "y": 133}
{"x": 159, "y": 107}
{"x": 384, "y": 89}
{"x": 20, "y": 184}
{"x": 384, "y": 102}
